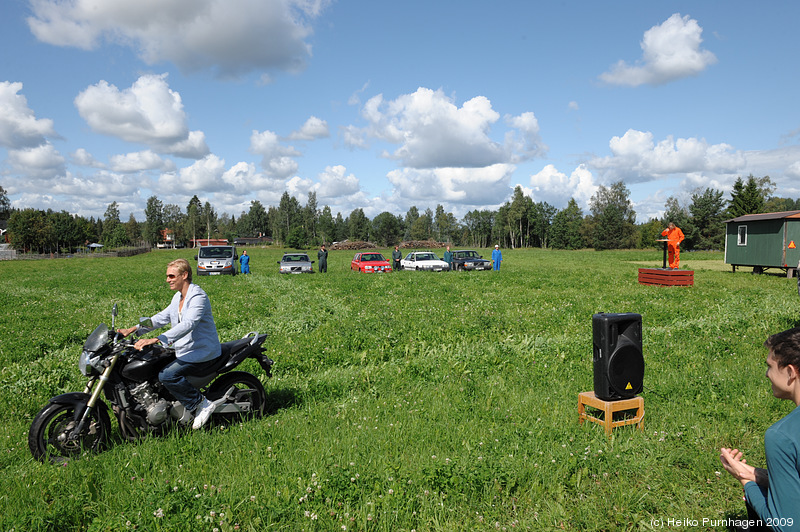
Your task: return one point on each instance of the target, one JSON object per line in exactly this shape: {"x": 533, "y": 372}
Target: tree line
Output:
{"x": 520, "y": 222}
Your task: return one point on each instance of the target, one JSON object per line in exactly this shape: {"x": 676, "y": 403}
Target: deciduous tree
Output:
{"x": 614, "y": 217}
{"x": 566, "y": 230}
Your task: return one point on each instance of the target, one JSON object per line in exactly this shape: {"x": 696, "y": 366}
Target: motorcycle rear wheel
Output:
{"x": 48, "y": 438}
{"x": 247, "y": 395}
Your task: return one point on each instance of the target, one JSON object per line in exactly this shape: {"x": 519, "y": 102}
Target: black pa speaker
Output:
{"x": 618, "y": 360}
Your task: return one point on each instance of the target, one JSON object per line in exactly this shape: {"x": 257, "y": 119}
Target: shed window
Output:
{"x": 742, "y": 239}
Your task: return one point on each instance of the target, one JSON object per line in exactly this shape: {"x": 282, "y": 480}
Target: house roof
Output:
{"x": 766, "y": 216}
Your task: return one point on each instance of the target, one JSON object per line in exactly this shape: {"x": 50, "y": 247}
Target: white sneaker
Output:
{"x": 203, "y": 413}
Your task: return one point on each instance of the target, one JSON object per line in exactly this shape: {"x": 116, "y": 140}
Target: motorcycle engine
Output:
{"x": 157, "y": 407}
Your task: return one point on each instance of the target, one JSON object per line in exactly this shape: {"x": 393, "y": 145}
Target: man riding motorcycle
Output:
{"x": 193, "y": 335}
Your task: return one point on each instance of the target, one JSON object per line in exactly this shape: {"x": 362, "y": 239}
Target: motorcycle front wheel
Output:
{"x": 244, "y": 393}
{"x": 49, "y": 435}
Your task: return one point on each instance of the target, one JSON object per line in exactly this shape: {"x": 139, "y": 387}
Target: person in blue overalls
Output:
{"x": 497, "y": 258}
{"x": 245, "y": 262}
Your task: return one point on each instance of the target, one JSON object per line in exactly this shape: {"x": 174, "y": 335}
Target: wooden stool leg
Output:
{"x": 640, "y": 416}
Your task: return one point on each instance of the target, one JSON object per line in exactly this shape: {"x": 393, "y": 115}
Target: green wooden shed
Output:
{"x": 769, "y": 240}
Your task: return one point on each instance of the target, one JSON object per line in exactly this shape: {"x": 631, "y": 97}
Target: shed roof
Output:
{"x": 766, "y": 216}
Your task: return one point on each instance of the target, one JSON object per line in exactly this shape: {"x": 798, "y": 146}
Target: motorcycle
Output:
{"x": 76, "y": 423}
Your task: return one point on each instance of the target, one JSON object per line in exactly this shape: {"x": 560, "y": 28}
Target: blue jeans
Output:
{"x": 173, "y": 377}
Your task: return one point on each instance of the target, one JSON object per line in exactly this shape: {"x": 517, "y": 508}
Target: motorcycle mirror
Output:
{"x": 145, "y": 326}
{"x": 113, "y": 316}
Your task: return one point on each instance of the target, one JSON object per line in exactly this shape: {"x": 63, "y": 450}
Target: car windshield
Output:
{"x": 467, "y": 255}
{"x": 295, "y": 258}
{"x": 426, "y": 256}
{"x": 216, "y": 252}
{"x": 372, "y": 257}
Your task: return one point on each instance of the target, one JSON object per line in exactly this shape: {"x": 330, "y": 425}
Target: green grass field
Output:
{"x": 408, "y": 401}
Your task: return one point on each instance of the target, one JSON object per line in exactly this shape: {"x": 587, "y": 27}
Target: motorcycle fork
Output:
{"x": 88, "y": 389}
{"x": 98, "y": 388}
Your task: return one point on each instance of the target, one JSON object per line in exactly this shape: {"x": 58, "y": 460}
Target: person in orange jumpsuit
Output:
{"x": 674, "y": 238}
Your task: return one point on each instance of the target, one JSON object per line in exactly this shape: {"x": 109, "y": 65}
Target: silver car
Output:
{"x": 296, "y": 263}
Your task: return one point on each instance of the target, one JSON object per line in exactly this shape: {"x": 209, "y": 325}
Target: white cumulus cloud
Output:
{"x": 556, "y": 188}
{"x": 229, "y": 39}
{"x": 205, "y": 174}
{"x": 314, "y": 128}
{"x": 334, "y": 182}
{"x": 40, "y": 162}
{"x": 19, "y": 127}
{"x": 277, "y": 159}
{"x": 637, "y": 157}
{"x": 136, "y": 162}
{"x": 670, "y": 51}
{"x": 433, "y": 132}
{"x": 465, "y": 186}
{"x": 146, "y": 113}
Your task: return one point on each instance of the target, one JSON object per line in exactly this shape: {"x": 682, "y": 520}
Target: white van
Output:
{"x": 216, "y": 260}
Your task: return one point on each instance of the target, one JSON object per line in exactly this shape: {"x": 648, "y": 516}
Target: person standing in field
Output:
{"x": 396, "y": 256}
{"x": 497, "y": 258}
{"x": 193, "y": 335}
{"x": 674, "y": 238}
{"x": 244, "y": 260}
{"x": 448, "y": 257}
{"x": 773, "y": 495}
{"x": 322, "y": 256}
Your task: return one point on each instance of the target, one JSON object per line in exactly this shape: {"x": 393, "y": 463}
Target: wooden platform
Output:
{"x": 633, "y": 407}
{"x": 666, "y": 277}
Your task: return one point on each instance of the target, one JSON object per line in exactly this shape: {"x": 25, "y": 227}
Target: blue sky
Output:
{"x": 381, "y": 106}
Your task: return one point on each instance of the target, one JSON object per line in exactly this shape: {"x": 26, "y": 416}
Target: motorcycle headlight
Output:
{"x": 83, "y": 363}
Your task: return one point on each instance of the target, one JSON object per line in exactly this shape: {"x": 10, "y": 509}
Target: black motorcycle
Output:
{"x": 75, "y": 423}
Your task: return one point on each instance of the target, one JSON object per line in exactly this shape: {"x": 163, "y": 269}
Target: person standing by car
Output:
{"x": 396, "y": 257}
{"x": 674, "y": 238}
{"x": 322, "y": 256}
{"x": 448, "y": 258}
{"x": 193, "y": 335}
{"x": 244, "y": 260}
{"x": 497, "y": 258}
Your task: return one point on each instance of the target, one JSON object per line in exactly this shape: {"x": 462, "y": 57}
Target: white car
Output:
{"x": 423, "y": 260}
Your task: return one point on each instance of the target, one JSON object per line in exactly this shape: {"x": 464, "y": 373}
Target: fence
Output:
{"x": 10, "y": 254}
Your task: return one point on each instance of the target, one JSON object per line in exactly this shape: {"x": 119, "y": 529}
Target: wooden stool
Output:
{"x": 609, "y": 407}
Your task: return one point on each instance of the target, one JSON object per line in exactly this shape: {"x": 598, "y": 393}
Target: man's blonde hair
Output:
{"x": 182, "y": 265}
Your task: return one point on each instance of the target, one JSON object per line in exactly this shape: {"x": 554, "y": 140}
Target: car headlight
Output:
{"x": 367, "y": 267}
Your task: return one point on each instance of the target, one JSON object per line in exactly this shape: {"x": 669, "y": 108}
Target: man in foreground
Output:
{"x": 774, "y": 494}
{"x": 193, "y": 334}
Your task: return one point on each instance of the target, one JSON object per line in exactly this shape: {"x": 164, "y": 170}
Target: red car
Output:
{"x": 370, "y": 262}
